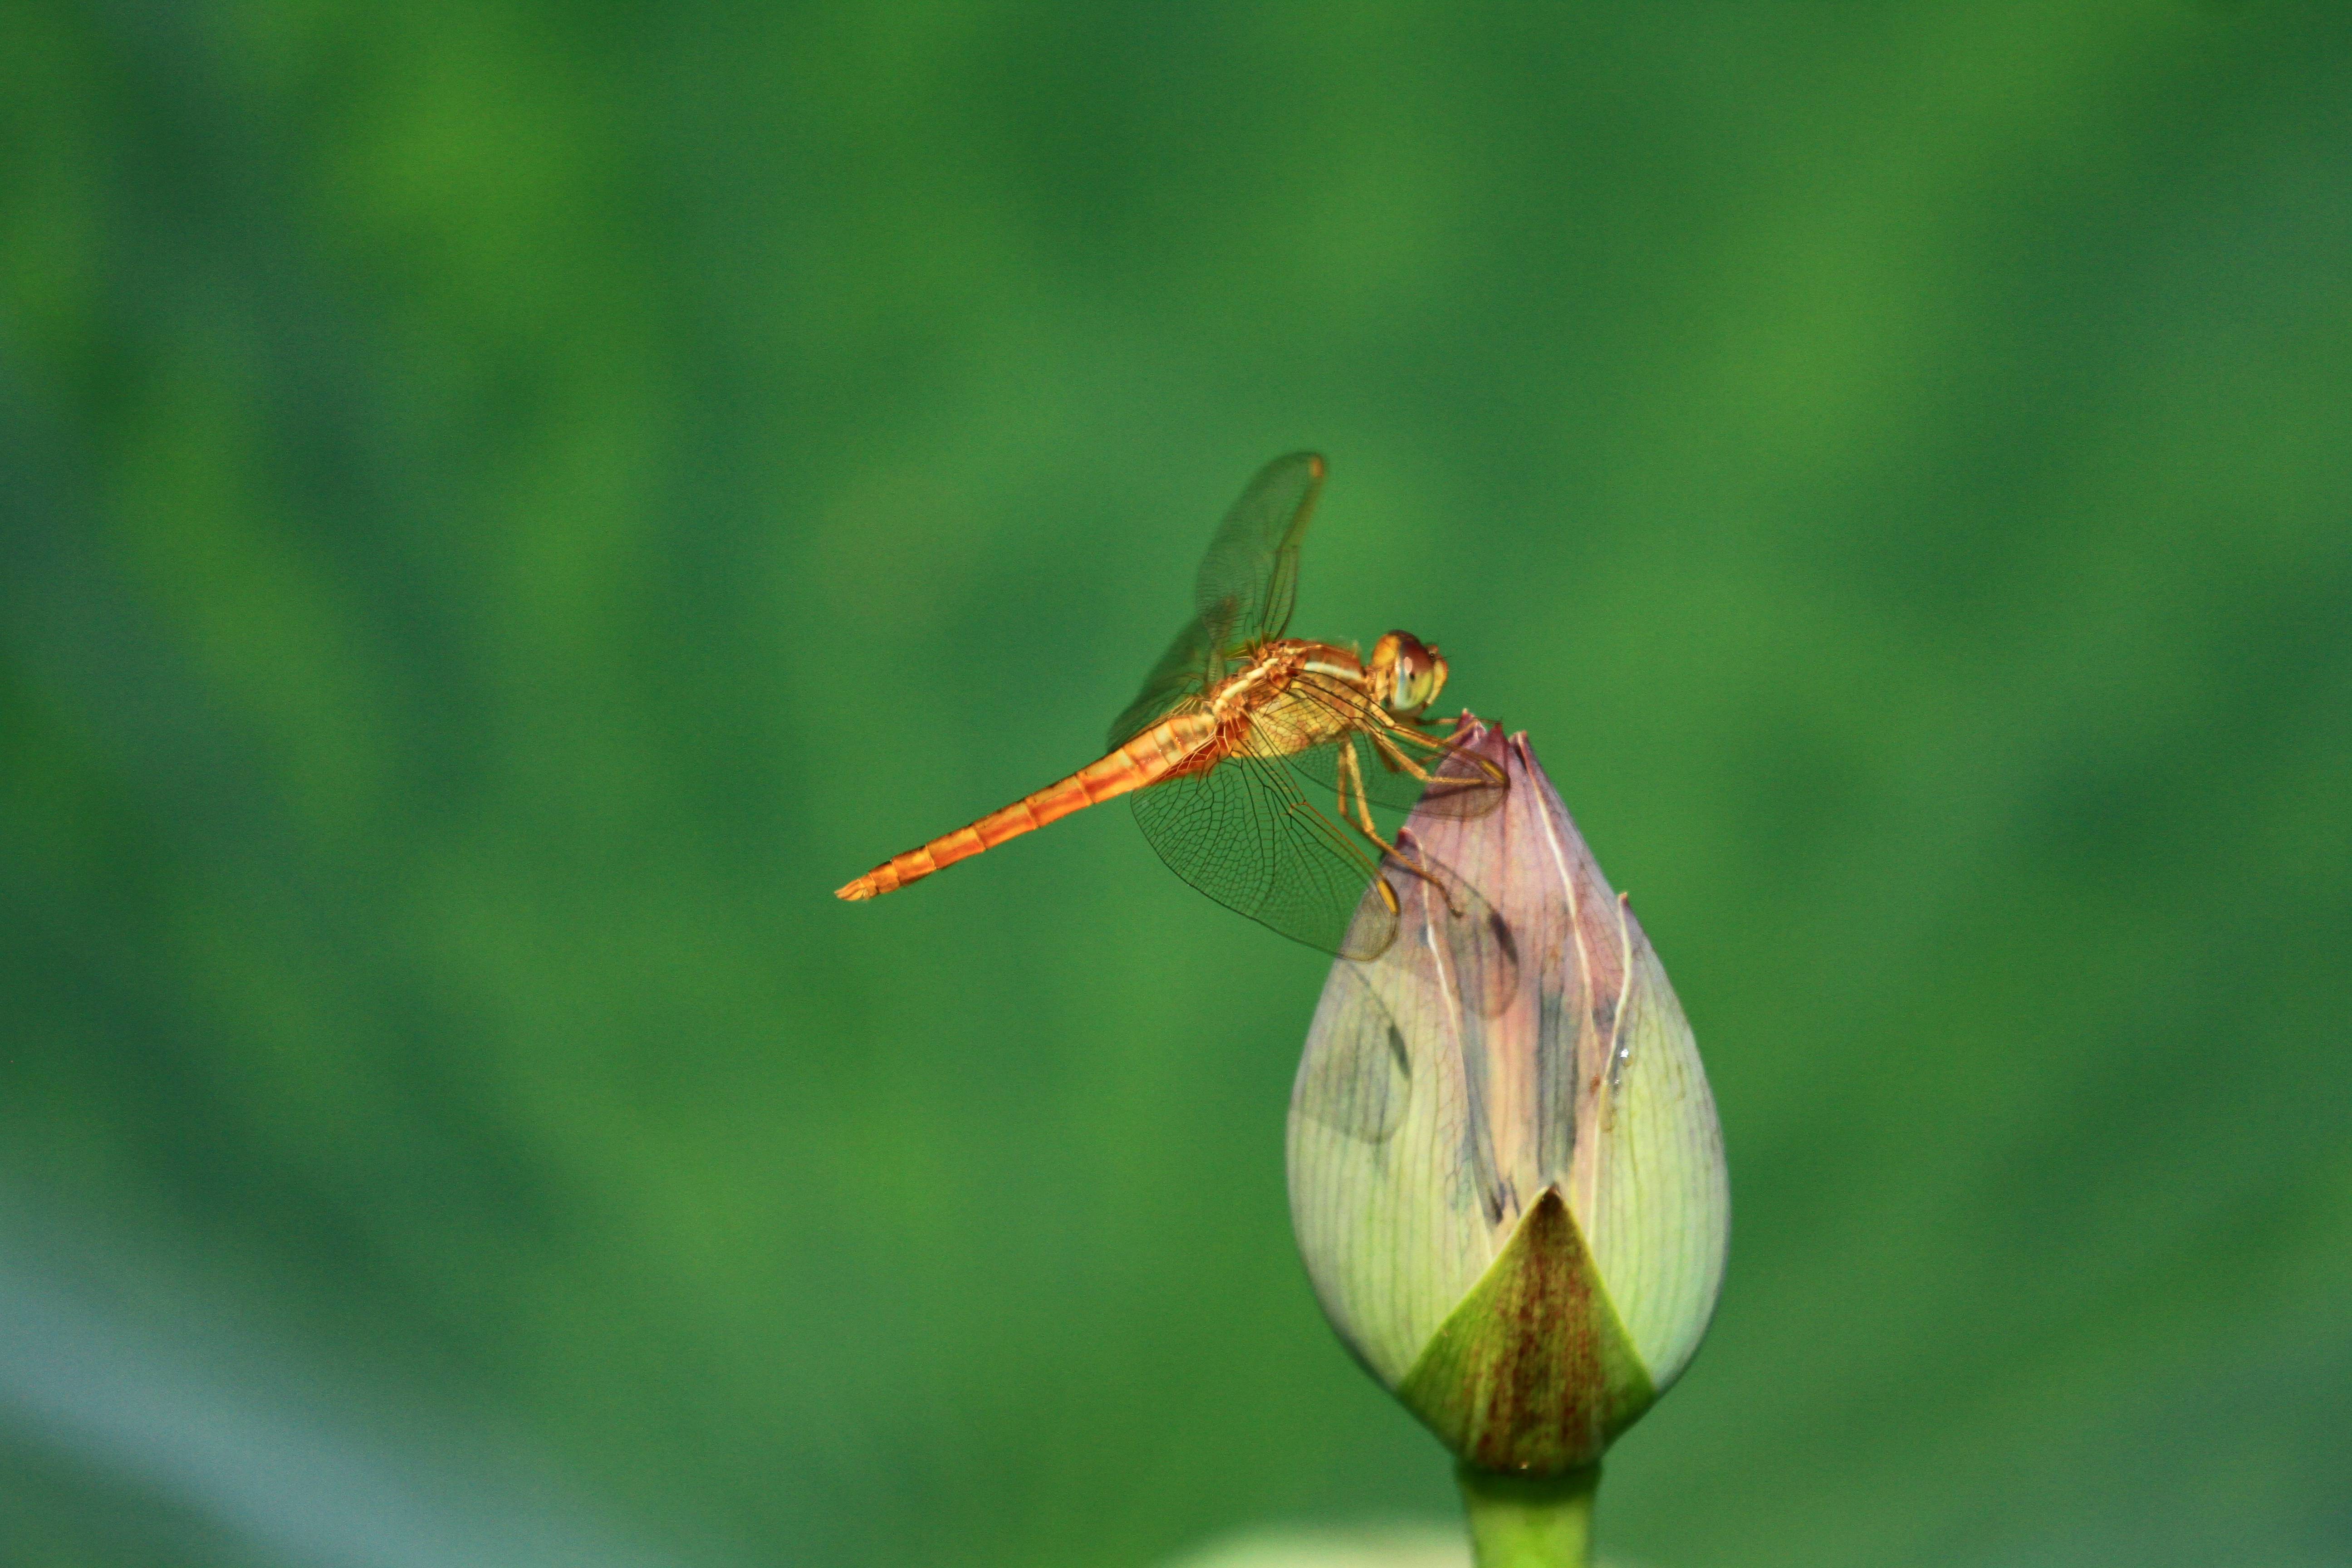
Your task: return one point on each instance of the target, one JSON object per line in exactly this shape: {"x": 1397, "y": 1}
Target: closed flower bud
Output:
{"x": 1506, "y": 1172}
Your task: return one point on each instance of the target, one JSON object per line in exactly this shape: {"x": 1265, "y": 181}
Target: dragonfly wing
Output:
{"x": 1250, "y": 576}
{"x": 1242, "y": 833}
{"x": 1187, "y": 666}
{"x": 1247, "y": 583}
{"x": 1356, "y": 1077}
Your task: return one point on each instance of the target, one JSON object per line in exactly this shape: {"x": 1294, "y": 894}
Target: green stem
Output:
{"x": 1530, "y": 1521}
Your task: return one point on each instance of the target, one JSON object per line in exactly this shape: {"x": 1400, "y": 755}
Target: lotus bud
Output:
{"x": 1507, "y": 1177}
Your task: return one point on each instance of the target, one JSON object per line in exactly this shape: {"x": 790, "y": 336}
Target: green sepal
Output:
{"x": 1533, "y": 1373}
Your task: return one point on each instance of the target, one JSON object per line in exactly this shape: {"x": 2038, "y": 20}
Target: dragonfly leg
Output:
{"x": 1394, "y": 756}
{"x": 1351, "y": 774}
{"x": 1400, "y": 761}
{"x": 1351, "y": 777}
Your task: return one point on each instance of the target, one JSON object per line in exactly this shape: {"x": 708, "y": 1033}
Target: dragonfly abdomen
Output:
{"x": 1148, "y": 758}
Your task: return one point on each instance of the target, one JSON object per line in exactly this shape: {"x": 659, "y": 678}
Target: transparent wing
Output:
{"x": 1356, "y": 1077}
{"x": 1402, "y": 767}
{"x": 1250, "y": 576}
{"x": 1242, "y": 833}
{"x": 1189, "y": 664}
{"x": 1247, "y": 583}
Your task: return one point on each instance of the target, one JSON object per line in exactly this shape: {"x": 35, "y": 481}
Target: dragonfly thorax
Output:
{"x": 1272, "y": 703}
{"x": 1270, "y": 672}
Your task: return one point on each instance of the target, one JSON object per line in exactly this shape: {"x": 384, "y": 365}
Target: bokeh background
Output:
{"x": 505, "y": 505}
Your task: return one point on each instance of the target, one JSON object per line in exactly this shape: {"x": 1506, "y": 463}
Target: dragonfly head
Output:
{"x": 1406, "y": 673}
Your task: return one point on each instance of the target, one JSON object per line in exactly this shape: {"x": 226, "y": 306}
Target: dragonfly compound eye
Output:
{"x": 1420, "y": 672}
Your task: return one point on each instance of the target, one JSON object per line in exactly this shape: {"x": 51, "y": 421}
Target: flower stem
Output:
{"x": 1529, "y": 1521}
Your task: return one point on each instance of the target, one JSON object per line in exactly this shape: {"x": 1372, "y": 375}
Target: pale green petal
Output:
{"x": 1658, "y": 1212}
{"x": 1392, "y": 1236}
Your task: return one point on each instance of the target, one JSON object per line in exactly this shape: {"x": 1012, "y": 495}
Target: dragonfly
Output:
{"x": 1233, "y": 720}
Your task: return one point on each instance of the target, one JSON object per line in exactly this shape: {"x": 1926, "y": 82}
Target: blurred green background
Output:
{"x": 505, "y": 505}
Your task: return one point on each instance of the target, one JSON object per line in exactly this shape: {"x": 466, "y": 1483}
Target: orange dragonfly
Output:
{"x": 1232, "y": 713}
